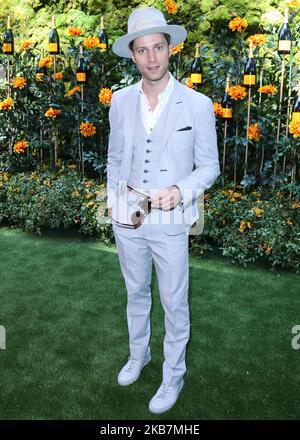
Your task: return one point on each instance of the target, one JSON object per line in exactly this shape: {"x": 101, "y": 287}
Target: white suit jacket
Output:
{"x": 190, "y": 155}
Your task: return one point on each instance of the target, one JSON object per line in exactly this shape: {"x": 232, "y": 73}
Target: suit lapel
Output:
{"x": 173, "y": 113}
{"x": 130, "y": 117}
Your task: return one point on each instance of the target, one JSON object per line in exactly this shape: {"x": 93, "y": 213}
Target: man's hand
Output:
{"x": 166, "y": 198}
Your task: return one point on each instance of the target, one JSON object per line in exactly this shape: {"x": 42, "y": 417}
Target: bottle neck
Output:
{"x": 197, "y": 54}
{"x": 8, "y": 22}
{"x": 53, "y": 22}
{"x": 286, "y": 16}
{"x": 102, "y": 23}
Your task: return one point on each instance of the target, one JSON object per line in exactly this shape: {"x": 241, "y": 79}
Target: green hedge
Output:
{"x": 262, "y": 225}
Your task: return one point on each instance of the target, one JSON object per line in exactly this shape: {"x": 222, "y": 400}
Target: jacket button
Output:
{"x": 147, "y": 161}
{"x": 148, "y": 151}
{"x": 148, "y": 141}
{"x": 145, "y": 181}
{"x": 146, "y": 171}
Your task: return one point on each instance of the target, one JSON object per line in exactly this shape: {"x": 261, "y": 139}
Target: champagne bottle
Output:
{"x": 250, "y": 70}
{"x": 196, "y": 70}
{"x": 40, "y": 71}
{"x": 8, "y": 39}
{"x": 53, "y": 46}
{"x": 226, "y": 103}
{"x": 285, "y": 36}
{"x": 296, "y": 107}
{"x": 81, "y": 72}
{"x": 103, "y": 37}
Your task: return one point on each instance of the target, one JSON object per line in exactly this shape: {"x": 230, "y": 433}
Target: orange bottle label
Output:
{"x": 81, "y": 76}
{"x": 7, "y": 47}
{"x": 249, "y": 80}
{"x": 52, "y": 47}
{"x": 227, "y": 112}
{"x": 196, "y": 78}
{"x": 102, "y": 47}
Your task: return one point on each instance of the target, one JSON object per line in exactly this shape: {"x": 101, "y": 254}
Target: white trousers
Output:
{"x": 137, "y": 248}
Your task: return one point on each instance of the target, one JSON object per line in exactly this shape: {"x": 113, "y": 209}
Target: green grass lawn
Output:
{"x": 63, "y": 304}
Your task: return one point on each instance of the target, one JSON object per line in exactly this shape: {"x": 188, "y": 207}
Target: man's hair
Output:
{"x": 167, "y": 37}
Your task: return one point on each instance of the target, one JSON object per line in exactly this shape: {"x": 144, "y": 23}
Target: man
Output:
{"x": 162, "y": 143}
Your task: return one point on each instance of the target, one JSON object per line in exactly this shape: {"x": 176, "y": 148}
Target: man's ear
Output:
{"x": 170, "y": 49}
{"x": 132, "y": 57}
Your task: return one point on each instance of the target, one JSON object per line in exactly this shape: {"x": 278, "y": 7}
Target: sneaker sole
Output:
{"x": 160, "y": 411}
{"x": 125, "y": 384}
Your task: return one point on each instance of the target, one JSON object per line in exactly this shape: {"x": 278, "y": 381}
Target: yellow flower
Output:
{"x": 289, "y": 222}
{"x": 72, "y": 167}
{"x": 47, "y": 182}
{"x": 293, "y": 3}
{"x": 238, "y": 24}
{"x": 258, "y": 211}
{"x": 6, "y": 104}
{"x": 257, "y": 39}
{"x": 26, "y": 44}
{"x": 72, "y": 91}
{"x": 218, "y": 109}
{"x": 89, "y": 184}
{"x": 91, "y": 42}
{"x": 75, "y": 194}
{"x": 105, "y": 95}
{"x": 39, "y": 76}
{"x": 89, "y": 196}
{"x": 254, "y": 133}
{"x": 237, "y": 92}
{"x": 91, "y": 203}
{"x": 46, "y": 62}
{"x": 52, "y": 113}
{"x": 74, "y": 31}
{"x": 295, "y": 205}
{"x": 295, "y": 128}
{"x": 58, "y": 76}
{"x": 266, "y": 247}
{"x": 87, "y": 129}
{"x": 189, "y": 83}
{"x": 4, "y": 176}
{"x": 268, "y": 89}
{"x": 177, "y": 49}
{"x": 244, "y": 225}
{"x": 20, "y": 147}
{"x": 171, "y": 6}
{"x": 19, "y": 82}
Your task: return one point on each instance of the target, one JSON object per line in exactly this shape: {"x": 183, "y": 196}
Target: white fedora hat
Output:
{"x": 145, "y": 21}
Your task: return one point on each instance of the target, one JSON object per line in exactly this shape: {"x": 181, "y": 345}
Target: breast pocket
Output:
{"x": 182, "y": 139}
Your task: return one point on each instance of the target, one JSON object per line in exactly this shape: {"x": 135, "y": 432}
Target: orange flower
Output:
{"x": 6, "y": 104}
{"x": 244, "y": 225}
{"x": 39, "y": 76}
{"x": 20, "y": 146}
{"x": 254, "y": 133}
{"x": 87, "y": 129}
{"x": 74, "y": 31}
{"x": 268, "y": 89}
{"x": 218, "y": 109}
{"x": 238, "y": 24}
{"x": 295, "y": 128}
{"x": 91, "y": 42}
{"x": 258, "y": 212}
{"x": 72, "y": 91}
{"x": 105, "y": 95}
{"x": 58, "y": 76}
{"x": 177, "y": 49}
{"x": 237, "y": 92}
{"x": 25, "y": 45}
{"x": 267, "y": 248}
{"x": 257, "y": 39}
{"x": 295, "y": 205}
{"x": 189, "y": 83}
{"x": 46, "y": 62}
{"x": 52, "y": 112}
{"x": 19, "y": 82}
{"x": 289, "y": 222}
{"x": 171, "y": 6}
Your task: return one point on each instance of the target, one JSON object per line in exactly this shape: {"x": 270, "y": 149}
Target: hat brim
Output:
{"x": 177, "y": 33}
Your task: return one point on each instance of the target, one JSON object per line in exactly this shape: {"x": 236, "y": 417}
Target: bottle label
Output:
{"x": 196, "y": 78}
{"x": 227, "y": 112}
{"x": 284, "y": 45}
{"x": 81, "y": 76}
{"x": 102, "y": 47}
{"x": 249, "y": 80}
{"x": 296, "y": 116}
{"x": 53, "y": 47}
{"x": 7, "y": 47}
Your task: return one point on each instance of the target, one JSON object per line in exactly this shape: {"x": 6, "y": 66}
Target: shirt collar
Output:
{"x": 165, "y": 91}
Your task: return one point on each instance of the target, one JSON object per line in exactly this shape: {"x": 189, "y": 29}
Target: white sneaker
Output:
{"x": 132, "y": 370}
{"x": 165, "y": 397}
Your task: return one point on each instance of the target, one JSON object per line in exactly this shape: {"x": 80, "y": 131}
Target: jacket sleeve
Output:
{"x": 206, "y": 158}
{"x": 115, "y": 152}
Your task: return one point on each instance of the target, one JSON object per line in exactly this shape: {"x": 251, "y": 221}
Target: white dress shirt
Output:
{"x": 149, "y": 116}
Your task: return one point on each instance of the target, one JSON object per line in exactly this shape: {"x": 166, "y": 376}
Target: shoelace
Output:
{"x": 132, "y": 364}
{"x": 163, "y": 391}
